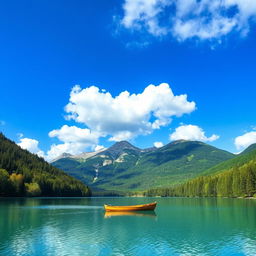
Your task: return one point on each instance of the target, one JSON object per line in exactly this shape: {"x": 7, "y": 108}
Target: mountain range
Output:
{"x": 180, "y": 168}
{"x": 124, "y": 167}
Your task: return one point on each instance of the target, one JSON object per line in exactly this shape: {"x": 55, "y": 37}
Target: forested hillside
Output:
{"x": 238, "y": 180}
{"x": 26, "y": 174}
{"x": 243, "y": 158}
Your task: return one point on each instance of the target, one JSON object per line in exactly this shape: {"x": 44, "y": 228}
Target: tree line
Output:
{"x": 26, "y": 174}
{"x": 239, "y": 181}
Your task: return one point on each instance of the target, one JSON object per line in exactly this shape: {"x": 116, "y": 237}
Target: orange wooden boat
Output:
{"x": 130, "y": 213}
{"x": 140, "y": 207}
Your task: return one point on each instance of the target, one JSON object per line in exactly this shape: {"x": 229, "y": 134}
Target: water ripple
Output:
{"x": 184, "y": 227}
{"x": 65, "y": 207}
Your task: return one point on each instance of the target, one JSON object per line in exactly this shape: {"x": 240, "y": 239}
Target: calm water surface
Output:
{"x": 76, "y": 226}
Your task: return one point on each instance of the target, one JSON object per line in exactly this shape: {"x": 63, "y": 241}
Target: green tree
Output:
{"x": 5, "y": 184}
{"x": 33, "y": 189}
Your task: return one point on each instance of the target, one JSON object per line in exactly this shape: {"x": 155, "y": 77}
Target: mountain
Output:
{"x": 249, "y": 149}
{"x": 233, "y": 178}
{"x": 23, "y": 173}
{"x": 120, "y": 148}
{"x": 95, "y": 168}
{"x": 246, "y": 156}
{"x": 124, "y": 167}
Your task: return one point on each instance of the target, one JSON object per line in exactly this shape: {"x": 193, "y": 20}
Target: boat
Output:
{"x": 139, "y": 207}
{"x": 130, "y": 213}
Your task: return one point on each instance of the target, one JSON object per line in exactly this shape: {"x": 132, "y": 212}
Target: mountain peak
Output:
{"x": 122, "y": 142}
{"x": 119, "y": 147}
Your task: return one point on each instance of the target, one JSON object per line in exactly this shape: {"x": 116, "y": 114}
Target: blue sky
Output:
{"x": 48, "y": 47}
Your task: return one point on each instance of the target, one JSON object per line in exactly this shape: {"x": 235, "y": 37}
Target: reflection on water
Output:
{"x": 67, "y": 207}
{"x": 130, "y": 213}
{"x": 183, "y": 226}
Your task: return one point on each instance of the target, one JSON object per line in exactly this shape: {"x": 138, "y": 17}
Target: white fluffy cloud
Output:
{"x": 140, "y": 13}
{"x": 126, "y": 115}
{"x": 245, "y": 140}
{"x": 158, "y": 144}
{"x": 75, "y": 140}
{"x": 74, "y": 134}
{"x": 185, "y": 19}
{"x": 191, "y": 132}
{"x": 121, "y": 118}
{"x": 31, "y": 145}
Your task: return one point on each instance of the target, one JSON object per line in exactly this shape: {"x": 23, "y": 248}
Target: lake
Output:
{"x": 79, "y": 226}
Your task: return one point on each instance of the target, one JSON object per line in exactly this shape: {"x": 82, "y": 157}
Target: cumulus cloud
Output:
{"x": 141, "y": 13}
{"x": 122, "y": 117}
{"x": 74, "y": 134}
{"x": 127, "y": 115}
{"x": 158, "y": 144}
{"x": 67, "y": 147}
{"x": 245, "y": 140}
{"x": 191, "y": 132}
{"x": 185, "y": 19}
{"x": 75, "y": 140}
{"x": 2, "y": 123}
{"x": 31, "y": 145}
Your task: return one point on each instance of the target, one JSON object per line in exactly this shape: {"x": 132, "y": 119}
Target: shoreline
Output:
{"x": 87, "y": 197}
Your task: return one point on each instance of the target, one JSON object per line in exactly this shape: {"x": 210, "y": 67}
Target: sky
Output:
{"x": 80, "y": 75}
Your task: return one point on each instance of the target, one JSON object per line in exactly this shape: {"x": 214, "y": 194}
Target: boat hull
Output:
{"x": 141, "y": 207}
{"x": 130, "y": 213}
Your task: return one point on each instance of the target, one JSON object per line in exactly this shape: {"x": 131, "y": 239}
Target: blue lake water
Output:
{"x": 79, "y": 226}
